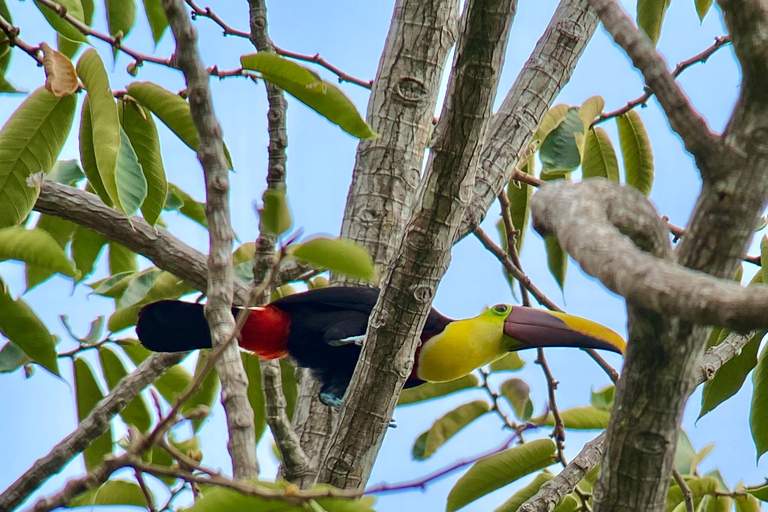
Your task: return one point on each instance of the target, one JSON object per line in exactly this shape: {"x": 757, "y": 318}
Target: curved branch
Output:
{"x": 95, "y": 424}
{"x": 552, "y": 492}
{"x": 585, "y": 217}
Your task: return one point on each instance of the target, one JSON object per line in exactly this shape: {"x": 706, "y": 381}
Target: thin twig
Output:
{"x": 14, "y": 40}
{"x": 687, "y": 494}
{"x": 495, "y": 399}
{"x": 208, "y": 13}
{"x": 678, "y": 233}
{"x": 145, "y": 490}
{"x": 512, "y": 233}
{"x": 682, "y": 66}
{"x": 421, "y": 483}
{"x": 559, "y": 432}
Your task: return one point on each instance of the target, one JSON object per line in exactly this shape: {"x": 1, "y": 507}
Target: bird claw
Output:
{"x": 392, "y": 423}
{"x": 356, "y": 340}
{"x": 330, "y": 400}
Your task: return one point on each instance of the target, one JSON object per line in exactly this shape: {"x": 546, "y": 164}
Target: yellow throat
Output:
{"x": 463, "y": 346}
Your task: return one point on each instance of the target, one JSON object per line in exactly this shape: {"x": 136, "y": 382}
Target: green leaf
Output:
{"x": 747, "y": 503}
{"x": 498, "y": 470}
{"x": 758, "y": 416}
{"x": 86, "y": 247}
{"x": 156, "y": 17}
{"x": 524, "y": 494}
{"x": 559, "y": 151}
{"x": 764, "y": 256}
{"x": 12, "y": 358}
{"x": 94, "y": 333}
{"x": 191, "y": 209}
{"x": 30, "y": 141}
{"x": 140, "y": 127}
{"x": 557, "y": 260}
{"x": 432, "y": 390}
{"x": 67, "y": 172}
{"x": 519, "y": 204}
{"x": 112, "y": 492}
{"x": 35, "y": 247}
{"x": 650, "y": 15}
{"x": 88, "y": 153}
{"x": 129, "y": 177}
{"x": 136, "y": 412}
{"x": 760, "y": 492}
{"x": 88, "y": 394}
{"x": 22, "y": 326}
{"x": 104, "y": 123}
{"x": 700, "y": 456}
{"x": 121, "y": 259}
{"x": 510, "y": 362}
{"x": 586, "y": 417}
{"x": 138, "y": 287}
{"x": 731, "y": 376}
{"x": 75, "y": 9}
{"x": 121, "y": 16}
{"x": 589, "y": 110}
{"x": 290, "y": 386}
{"x": 684, "y": 454}
{"x": 172, "y": 383}
{"x": 166, "y": 286}
{"x": 517, "y": 392}
{"x": 61, "y": 230}
{"x": 636, "y": 150}
{"x": 599, "y": 156}
{"x": 205, "y": 395}
{"x": 275, "y": 216}
{"x": 255, "y": 394}
{"x": 306, "y": 86}
{"x": 603, "y": 398}
{"x": 172, "y": 110}
{"x": 699, "y": 488}
{"x": 446, "y": 427}
{"x": 550, "y": 121}
{"x": 702, "y": 8}
{"x": 569, "y": 503}
{"x": 114, "y": 286}
{"x": 337, "y": 255}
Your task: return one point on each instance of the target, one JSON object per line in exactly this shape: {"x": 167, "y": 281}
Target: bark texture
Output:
{"x": 423, "y": 254}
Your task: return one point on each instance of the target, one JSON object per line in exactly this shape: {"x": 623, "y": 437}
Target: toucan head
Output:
{"x": 532, "y": 328}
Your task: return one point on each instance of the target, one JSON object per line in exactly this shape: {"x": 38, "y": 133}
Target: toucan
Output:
{"x": 322, "y": 329}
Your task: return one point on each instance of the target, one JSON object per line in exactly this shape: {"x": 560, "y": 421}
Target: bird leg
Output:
{"x": 356, "y": 340}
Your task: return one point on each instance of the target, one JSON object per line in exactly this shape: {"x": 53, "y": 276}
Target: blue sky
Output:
{"x": 40, "y": 411}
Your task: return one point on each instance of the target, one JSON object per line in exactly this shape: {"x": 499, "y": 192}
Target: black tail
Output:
{"x": 173, "y": 326}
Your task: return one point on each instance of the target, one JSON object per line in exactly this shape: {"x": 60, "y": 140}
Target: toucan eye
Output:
{"x": 500, "y": 308}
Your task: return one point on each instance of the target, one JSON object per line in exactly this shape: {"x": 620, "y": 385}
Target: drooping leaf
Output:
{"x": 205, "y": 395}
{"x": 156, "y": 17}
{"x": 136, "y": 412}
{"x": 22, "y": 326}
{"x": 510, "y": 362}
{"x": 524, "y": 494}
{"x": 684, "y": 454}
{"x": 557, "y": 260}
{"x": 30, "y": 141}
{"x": 747, "y": 503}
{"x": 191, "y": 209}
{"x": 603, "y": 398}
{"x": 255, "y": 394}
{"x": 559, "y": 152}
{"x": 88, "y": 153}
{"x": 337, "y": 255}
{"x": 113, "y": 286}
{"x": 129, "y": 178}
{"x": 61, "y": 230}
{"x": 275, "y": 216}
{"x": 121, "y": 259}
{"x": 140, "y": 127}
{"x": 599, "y": 156}
{"x": 67, "y": 172}
{"x": 519, "y": 204}
{"x": 171, "y": 109}
{"x": 104, "y": 123}
{"x": 650, "y": 16}
{"x": 444, "y": 428}
{"x": 586, "y": 417}
{"x": 290, "y": 386}
{"x": 60, "y": 75}
{"x": 166, "y": 286}
{"x": 550, "y": 121}
{"x": 760, "y": 492}
{"x": 94, "y": 332}
{"x": 700, "y": 456}
{"x": 138, "y": 287}
{"x": 35, "y": 247}
{"x": 75, "y": 9}
{"x": 12, "y": 358}
{"x": 306, "y": 86}
{"x": 589, "y": 110}
{"x": 112, "y": 492}
{"x": 498, "y": 470}
{"x": 636, "y": 150}
{"x": 699, "y": 487}
{"x": 517, "y": 392}
{"x": 88, "y": 394}
{"x": 758, "y": 416}
{"x": 432, "y": 390}
{"x": 731, "y": 376}
{"x": 86, "y": 247}
{"x": 702, "y": 8}
{"x": 121, "y": 15}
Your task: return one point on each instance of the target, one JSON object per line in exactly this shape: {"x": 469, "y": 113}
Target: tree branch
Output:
{"x": 14, "y": 40}
{"x": 210, "y": 152}
{"x": 552, "y": 492}
{"x": 95, "y": 424}
{"x": 583, "y": 216}
{"x": 683, "y": 118}
{"x": 422, "y": 257}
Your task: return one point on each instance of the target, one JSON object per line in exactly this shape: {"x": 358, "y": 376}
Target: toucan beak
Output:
{"x": 539, "y": 328}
